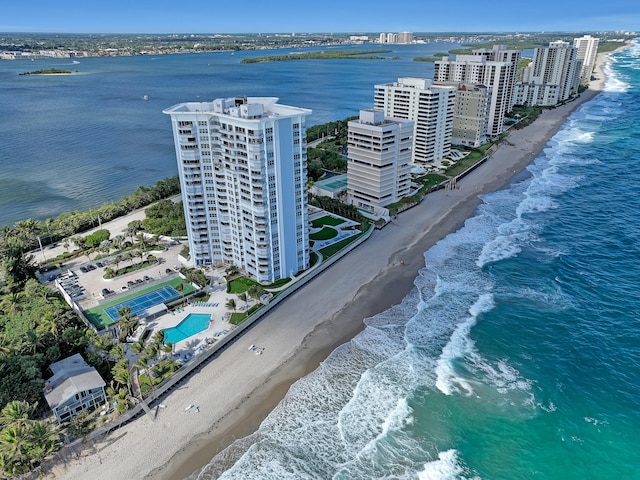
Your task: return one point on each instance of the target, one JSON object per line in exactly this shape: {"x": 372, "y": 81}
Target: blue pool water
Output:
{"x": 192, "y": 324}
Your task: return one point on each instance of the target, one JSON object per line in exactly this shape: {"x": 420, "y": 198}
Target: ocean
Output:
{"x": 74, "y": 142}
{"x": 516, "y": 355}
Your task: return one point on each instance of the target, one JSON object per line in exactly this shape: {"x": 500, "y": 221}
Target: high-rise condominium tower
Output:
{"x": 243, "y": 172}
{"x": 552, "y": 77}
{"x": 497, "y": 76}
{"x": 379, "y": 171}
{"x": 430, "y": 106}
{"x": 587, "y": 51}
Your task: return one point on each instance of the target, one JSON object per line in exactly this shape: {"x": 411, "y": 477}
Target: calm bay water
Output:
{"x": 73, "y": 142}
{"x": 516, "y": 356}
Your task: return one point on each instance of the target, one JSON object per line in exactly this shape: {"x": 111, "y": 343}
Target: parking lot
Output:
{"x": 83, "y": 278}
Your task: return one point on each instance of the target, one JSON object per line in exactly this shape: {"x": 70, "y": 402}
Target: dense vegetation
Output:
{"x": 328, "y": 156}
{"x": 48, "y": 71}
{"x": 165, "y": 218}
{"x": 69, "y": 223}
{"x": 321, "y": 55}
{"x": 24, "y": 441}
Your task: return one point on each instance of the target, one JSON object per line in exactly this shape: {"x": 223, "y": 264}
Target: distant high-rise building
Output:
{"x": 379, "y": 151}
{"x": 430, "y": 106}
{"x": 497, "y": 76}
{"x": 552, "y": 77}
{"x": 587, "y": 52}
{"x": 402, "y": 37}
{"x": 405, "y": 37}
{"x": 243, "y": 172}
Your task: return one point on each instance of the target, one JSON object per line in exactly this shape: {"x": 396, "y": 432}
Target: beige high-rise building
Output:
{"x": 430, "y": 106}
{"x": 476, "y": 69}
{"x": 405, "y": 37}
{"x": 587, "y": 52}
{"x": 379, "y": 151}
{"x": 470, "y": 114}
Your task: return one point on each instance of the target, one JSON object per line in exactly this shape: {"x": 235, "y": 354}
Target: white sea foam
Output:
{"x": 445, "y": 468}
{"x": 614, "y": 82}
{"x": 460, "y": 345}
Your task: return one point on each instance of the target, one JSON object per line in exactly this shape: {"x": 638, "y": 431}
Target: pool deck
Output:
{"x": 218, "y": 326}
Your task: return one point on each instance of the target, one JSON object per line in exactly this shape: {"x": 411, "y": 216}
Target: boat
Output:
{"x": 146, "y": 97}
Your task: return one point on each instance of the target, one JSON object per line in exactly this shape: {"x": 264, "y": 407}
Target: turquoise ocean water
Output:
{"x": 516, "y": 356}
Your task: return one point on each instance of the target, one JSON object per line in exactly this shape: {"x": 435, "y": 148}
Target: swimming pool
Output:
{"x": 189, "y": 326}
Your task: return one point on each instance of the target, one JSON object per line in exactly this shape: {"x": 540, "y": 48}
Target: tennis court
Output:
{"x": 140, "y": 303}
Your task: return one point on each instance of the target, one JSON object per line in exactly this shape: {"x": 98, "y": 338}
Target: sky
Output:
{"x": 325, "y": 16}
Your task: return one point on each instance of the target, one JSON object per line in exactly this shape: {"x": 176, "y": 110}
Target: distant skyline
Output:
{"x": 251, "y": 16}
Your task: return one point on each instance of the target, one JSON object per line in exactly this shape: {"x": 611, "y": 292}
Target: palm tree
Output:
{"x": 255, "y": 292}
{"x": 121, "y": 374}
{"x": 136, "y": 347}
{"x": 42, "y": 439}
{"x": 158, "y": 337}
{"x": 232, "y": 270}
{"x": 17, "y": 411}
{"x": 13, "y": 449}
{"x": 243, "y": 296}
{"x": 231, "y": 304}
{"x": 27, "y": 229}
{"x": 133, "y": 227}
{"x": 142, "y": 240}
{"x": 118, "y": 240}
{"x": 152, "y": 351}
{"x": 116, "y": 261}
{"x": 49, "y": 223}
{"x": 141, "y": 363}
{"x": 128, "y": 255}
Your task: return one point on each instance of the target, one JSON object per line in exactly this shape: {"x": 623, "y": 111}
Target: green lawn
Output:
{"x": 325, "y": 234}
{"x": 336, "y": 247}
{"x": 327, "y": 220}
{"x": 242, "y": 284}
{"x": 99, "y": 318}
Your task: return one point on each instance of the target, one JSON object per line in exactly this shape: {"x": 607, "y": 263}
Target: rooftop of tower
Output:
{"x": 239, "y": 107}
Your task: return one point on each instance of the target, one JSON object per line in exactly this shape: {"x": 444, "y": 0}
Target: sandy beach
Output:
{"x": 236, "y": 390}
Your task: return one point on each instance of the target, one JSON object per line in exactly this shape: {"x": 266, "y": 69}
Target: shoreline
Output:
{"x": 363, "y": 283}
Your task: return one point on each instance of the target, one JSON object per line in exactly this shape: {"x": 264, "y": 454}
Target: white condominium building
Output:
{"x": 500, "y": 53}
{"x": 552, "y": 77}
{"x": 476, "y": 69}
{"x": 379, "y": 170}
{"x": 243, "y": 172}
{"x": 587, "y": 52}
{"x": 430, "y": 106}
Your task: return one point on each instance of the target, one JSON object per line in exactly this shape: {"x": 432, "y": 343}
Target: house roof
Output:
{"x": 70, "y": 376}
